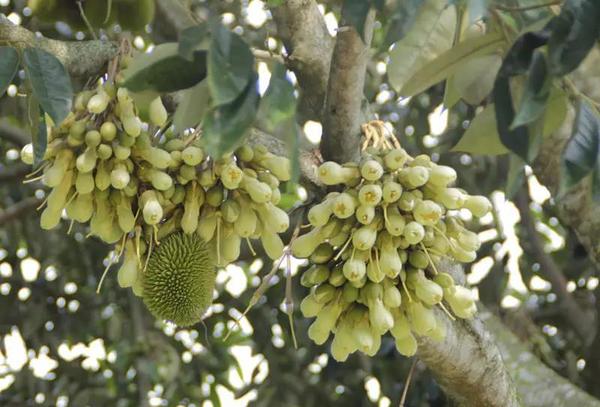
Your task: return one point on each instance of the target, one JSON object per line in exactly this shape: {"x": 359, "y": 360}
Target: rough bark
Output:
{"x": 309, "y": 46}
{"x": 344, "y": 113}
{"x": 81, "y": 58}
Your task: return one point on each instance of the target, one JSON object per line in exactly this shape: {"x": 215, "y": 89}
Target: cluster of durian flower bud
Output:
{"x": 373, "y": 249}
{"x": 134, "y": 183}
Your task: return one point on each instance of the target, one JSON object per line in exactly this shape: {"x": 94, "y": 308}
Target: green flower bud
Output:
{"x": 331, "y": 173}
{"x": 310, "y": 307}
{"x": 108, "y": 131}
{"x": 365, "y": 214}
{"x": 98, "y": 103}
{"x": 441, "y": 175}
{"x": 119, "y": 176}
{"x": 315, "y": 275}
{"x": 322, "y": 254}
{"x": 272, "y": 244}
{"x": 413, "y": 232}
{"x": 422, "y": 319}
{"x": 370, "y": 194}
{"x": 336, "y": 277}
{"x": 451, "y": 198}
{"x": 104, "y": 151}
{"x": 84, "y": 183}
{"x": 324, "y": 293}
{"x": 192, "y": 155}
{"x": 157, "y": 112}
{"x": 86, "y": 162}
{"x": 354, "y": 269}
{"x": 394, "y": 221}
{"x": 344, "y": 205}
{"x": 478, "y": 205}
{"x": 231, "y": 176}
{"x": 364, "y": 237}
{"x": 395, "y": 159}
{"x": 391, "y": 191}
{"x": 93, "y": 138}
{"x": 427, "y": 213}
{"x": 414, "y": 177}
{"x": 350, "y": 293}
{"x": 371, "y": 170}
{"x": 27, "y": 154}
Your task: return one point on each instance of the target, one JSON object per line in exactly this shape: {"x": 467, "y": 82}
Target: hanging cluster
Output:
{"x": 373, "y": 249}
{"x": 134, "y": 185}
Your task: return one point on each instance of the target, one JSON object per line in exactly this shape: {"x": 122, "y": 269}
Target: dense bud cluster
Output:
{"x": 133, "y": 184}
{"x": 373, "y": 249}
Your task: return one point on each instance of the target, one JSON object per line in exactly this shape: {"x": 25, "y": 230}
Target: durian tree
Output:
{"x": 294, "y": 202}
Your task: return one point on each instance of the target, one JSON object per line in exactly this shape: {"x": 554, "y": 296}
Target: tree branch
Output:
{"x": 19, "y": 209}
{"x": 79, "y": 57}
{"x": 343, "y": 114}
{"x": 582, "y": 322}
{"x": 14, "y": 134}
{"x": 15, "y": 172}
{"x": 309, "y": 46}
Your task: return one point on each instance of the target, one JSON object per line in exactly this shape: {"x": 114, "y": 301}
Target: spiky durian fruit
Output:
{"x": 179, "y": 280}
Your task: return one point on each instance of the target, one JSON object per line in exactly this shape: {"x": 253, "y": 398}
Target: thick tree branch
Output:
{"x": 14, "y": 134}
{"x": 343, "y": 113}
{"x": 309, "y": 46}
{"x": 582, "y": 322}
{"x": 536, "y": 383}
{"x": 14, "y": 173}
{"x": 79, "y": 57}
{"x": 17, "y": 210}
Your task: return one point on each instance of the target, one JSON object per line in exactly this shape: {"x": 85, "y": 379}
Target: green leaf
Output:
{"x": 191, "y": 39}
{"x": 451, "y": 93}
{"x": 230, "y": 65}
{"x": 482, "y": 136}
{"x": 50, "y": 82}
{"x": 536, "y": 92}
{"x": 475, "y": 78}
{"x": 516, "y": 62}
{"x": 431, "y": 34}
{"x": 164, "y": 70}
{"x": 574, "y": 33}
{"x": 355, "y": 13}
{"x": 451, "y": 61}
{"x": 9, "y": 64}
{"x": 191, "y": 108}
{"x": 226, "y": 125}
{"x": 277, "y": 115}
{"x": 556, "y": 110}
{"x": 581, "y": 154}
{"x": 37, "y": 124}
{"x": 401, "y": 21}
{"x": 275, "y": 3}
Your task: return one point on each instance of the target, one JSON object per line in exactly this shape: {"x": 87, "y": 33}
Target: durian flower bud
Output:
{"x": 469, "y": 240}
{"x": 336, "y": 277}
{"x": 310, "y": 307}
{"x": 442, "y": 175}
{"x": 119, "y": 176}
{"x": 259, "y": 191}
{"x": 427, "y": 213}
{"x": 324, "y": 293}
{"x": 391, "y": 191}
{"x": 364, "y": 237}
{"x": 380, "y": 318}
{"x": 422, "y": 319}
{"x": 231, "y": 176}
{"x": 460, "y": 254}
{"x": 344, "y": 205}
{"x": 478, "y": 205}
{"x": 428, "y": 291}
{"x": 394, "y": 221}
{"x": 370, "y": 194}
{"x": 84, "y": 183}
{"x": 27, "y": 154}
{"x": 371, "y": 170}
{"x": 354, "y": 269}
{"x": 128, "y": 272}
{"x": 413, "y": 232}
{"x": 108, "y": 131}
{"x": 315, "y": 275}
{"x": 407, "y": 345}
{"x": 272, "y": 244}
{"x": 318, "y": 215}
{"x": 157, "y": 112}
{"x": 152, "y": 210}
{"x": 418, "y": 259}
{"x": 245, "y": 153}
{"x": 331, "y": 173}
{"x": 349, "y": 293}
{"x": 192, "y": 155}
{"x": 98, "y": 103}
{"x": 322, "y": 254}
{"x": 104, "y": 151}
{"x": 392, "y": 298}
{"x": 395, "y": 159}
{"x": 414, "y": 177}
{"x": 86, "y": 161}
{"x": 451, "y": 198}
{"x": 273, "y": 218}
{"x": 374, "y": 272}
{"x": 365, "y": 214}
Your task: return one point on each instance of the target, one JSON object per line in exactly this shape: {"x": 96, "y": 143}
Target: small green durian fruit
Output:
{"x": 478, "y": 205}
{"x": 180, "y": 279}
{"x": 395, "y": 159}
{"x": 371, "y": 170}
{"x": 157, "y": 112}
{"x": 129, "y": 271}
{"x": 331, "y": 173}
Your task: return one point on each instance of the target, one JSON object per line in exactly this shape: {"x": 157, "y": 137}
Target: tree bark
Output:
{"x": 81, "y": 58}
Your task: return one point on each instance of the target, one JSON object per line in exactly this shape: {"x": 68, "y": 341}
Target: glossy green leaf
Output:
{"x": 556, "y": 110}
{"x": 451, "y": 61}
{"x": 191, "y": 39}
{"x": 536, "y": 92}
{"x": 482, "y": 136}
{"x": 164, "y": 70}
{"x": 516, "y": 62}
{"x": 50, "y": 82}
{"x": 401, "y": 21}
{"x": 191, "y": 108}
{"x": 9, "y": 64}
{"x": 226, "y": 125}
{"x": 475, "y": 78}
{"x": 230, "y": 65}
{"x": 37, "y": 125}
{"x": 355, "y": 13}
{"x": 581, "y": 154}
{"x": 574, "y": 33}
{"x": 431, "y": 34}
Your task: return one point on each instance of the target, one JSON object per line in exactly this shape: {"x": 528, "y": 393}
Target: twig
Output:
{"x": 14, "y": 134}
{"x": 525, "y": 8}
{"x": 14, "y": 173}
{"x": 407, "y": 384}
{"x": 17, "y": 210}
